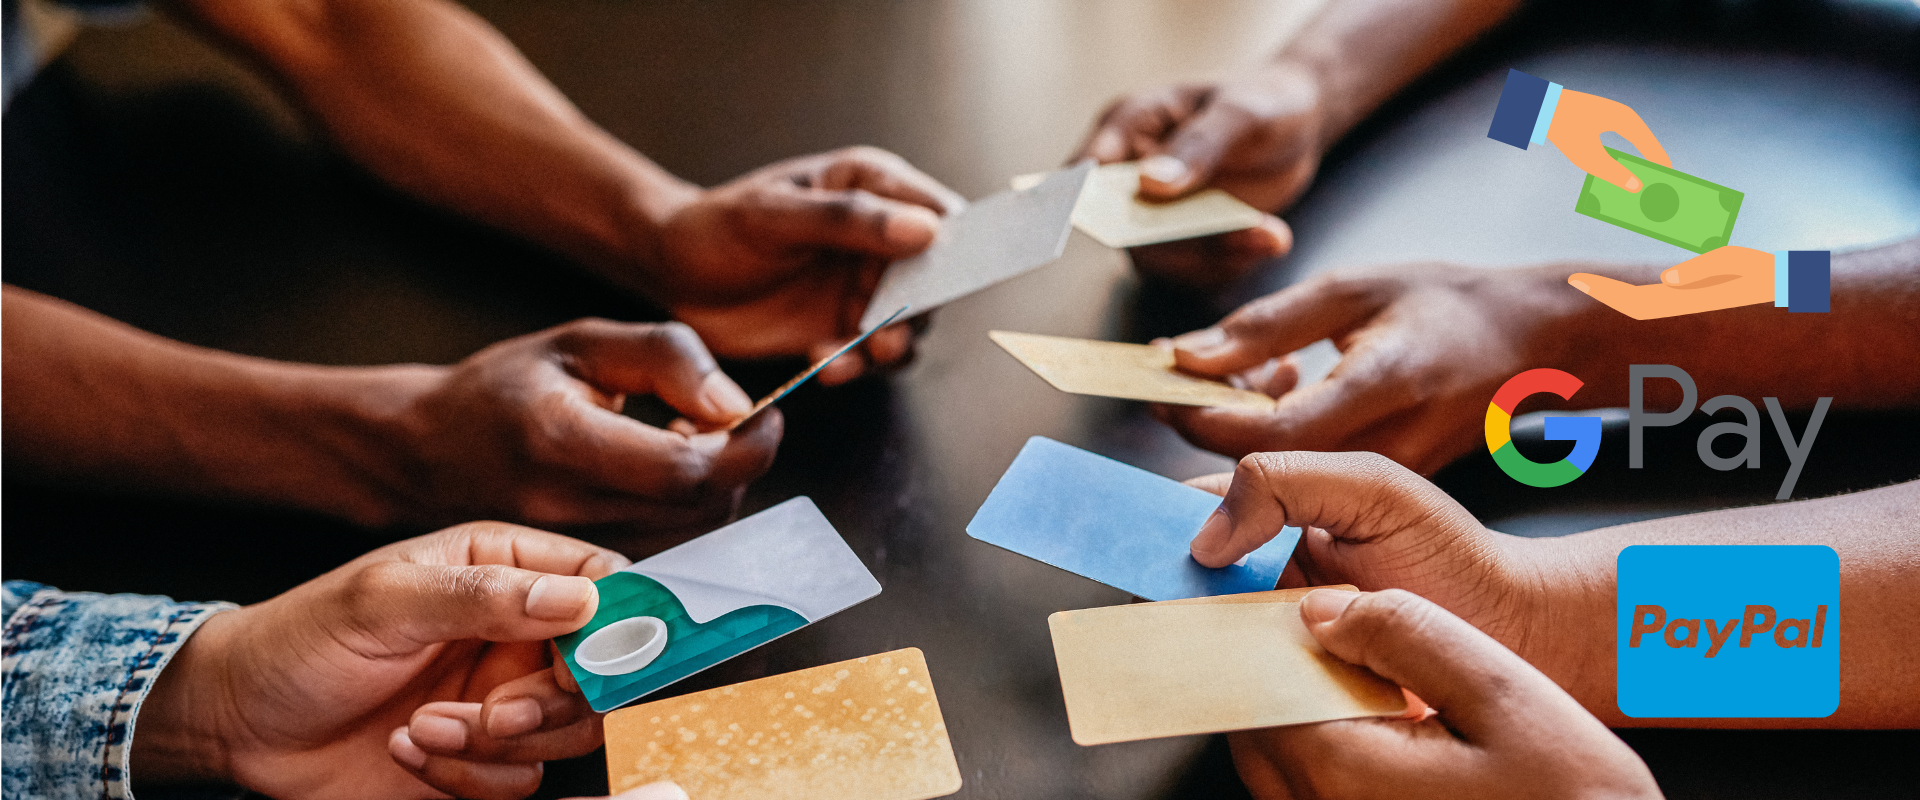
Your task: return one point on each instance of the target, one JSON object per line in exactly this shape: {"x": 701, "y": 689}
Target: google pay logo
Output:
{"x": 1584, "y": 431}
{"x": 1728, "y": 631}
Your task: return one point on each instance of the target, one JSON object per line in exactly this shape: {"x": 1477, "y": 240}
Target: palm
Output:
{"x": 321, "y": 708}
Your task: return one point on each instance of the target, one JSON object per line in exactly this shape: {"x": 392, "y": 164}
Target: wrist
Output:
{"x": 649, "y": 204}
{"x": 181, "y": 733}
{"x": 1567, "y": 614}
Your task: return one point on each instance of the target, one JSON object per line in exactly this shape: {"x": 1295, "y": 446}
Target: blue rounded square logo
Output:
{"x": 1728, "y": 631}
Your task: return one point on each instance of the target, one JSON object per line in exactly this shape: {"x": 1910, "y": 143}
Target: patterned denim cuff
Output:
{"x": 76, "y": 668}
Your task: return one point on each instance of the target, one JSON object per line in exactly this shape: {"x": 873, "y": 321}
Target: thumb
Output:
{"x": 1482, "y": 689}
{"x": 667, "y": 360}
{"x": 403, "y": 607}
{"x": 1194, "y": 152}
{"x": 1333, "y": 491}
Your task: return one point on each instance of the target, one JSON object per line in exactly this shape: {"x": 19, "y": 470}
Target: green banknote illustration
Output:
{"x": 1671, "y": 206}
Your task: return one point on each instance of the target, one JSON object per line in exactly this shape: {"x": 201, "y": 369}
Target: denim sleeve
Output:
{"x": 76, "y": 668}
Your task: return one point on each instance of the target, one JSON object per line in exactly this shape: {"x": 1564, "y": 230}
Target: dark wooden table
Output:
{"x": 155, "y": 181}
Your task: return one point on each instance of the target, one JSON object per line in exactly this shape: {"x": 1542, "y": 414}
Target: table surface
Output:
{"x": 154, "y": 180}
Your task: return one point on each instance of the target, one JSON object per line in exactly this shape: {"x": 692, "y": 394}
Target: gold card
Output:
{"x": 1118, "y": 369}
{"x": 1111, "y": 211}
{"x": 1205, "y": 665}
{"x": 869, "y": 728}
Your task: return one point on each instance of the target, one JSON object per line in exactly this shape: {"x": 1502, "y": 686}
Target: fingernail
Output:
{"x": 1670, "y": 277}
{"x": 558, "y": 598}
{"x": 1205, "y": 343}
{"x": 1581, "y": 285}
{"x": 911, "y": 227}
{"x": 1633, "y": 184}
{"x": 1164, "y": 168}
{"x": 405, "y": 751}
{"x": 513, "y": 717}
{"x": 722, "y": 398}
{"x": 439, "y": 733}
{"x": 1325, "y": 605}
{"x": 1213, "y": 534}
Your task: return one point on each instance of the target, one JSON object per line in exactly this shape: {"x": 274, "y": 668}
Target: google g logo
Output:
{"x": 1583, "y": 431}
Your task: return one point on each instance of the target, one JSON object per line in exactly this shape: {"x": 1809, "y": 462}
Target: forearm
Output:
{"x": 1873, "y": 532}
{"x": 1865, "y": 353}
{"x": 435, "y": 101}
{"x": 1365, "y": 52}
{"x": 91, "y": 400}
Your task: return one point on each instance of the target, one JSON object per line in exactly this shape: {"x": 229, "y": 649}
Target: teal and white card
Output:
{"x": 713, "y": 598}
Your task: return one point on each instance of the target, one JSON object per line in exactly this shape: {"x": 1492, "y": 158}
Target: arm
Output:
{"x": 1260, "y": 135}
{"x": 1377, "y": 526}
{"x": 527, "y": 429}
{"x": 1458, "y": 333}
{"x": 779, "y": 262}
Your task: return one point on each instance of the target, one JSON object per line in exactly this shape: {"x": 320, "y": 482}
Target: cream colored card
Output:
{"x": 1111, "y": 210}
{"x": 869, "y": 728}
{"x": 1205, "y": 665}
{"x": 1118, "y": 369}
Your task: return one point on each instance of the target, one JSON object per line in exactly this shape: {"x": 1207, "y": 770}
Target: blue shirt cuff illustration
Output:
{"x": 1803, "y": 280}
{"x": 1525, "y": 110}
{"x": 78, "y": 666}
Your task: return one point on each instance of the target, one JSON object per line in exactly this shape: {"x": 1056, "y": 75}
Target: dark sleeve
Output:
{"x": 1809, "y": 280}
{"x": 1519, "y": 109}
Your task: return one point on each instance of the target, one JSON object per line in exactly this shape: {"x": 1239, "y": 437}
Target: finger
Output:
{"x": 533, "y": 703}
{"x": 1633, "y": 129}
{"x": 1482, "y": 689}
{"x": 476, "y": 543}
{"x": 1721, "y": 261}
{"x": 464, "y": 778}
{"x": 667, "y": 360}
{"x": 1194, "y": 152}
{"x": 398, "y": 607}
{"x": 1327, "y": 415}
{"x": 854, "y": 220}
{"x": 847, "y": 367}
{"x": 1626, "y": 298}
{"x": 1334, "y": 491}
{"x": 1107, "y": 145}
{"x": 1272, "y": 326}
{"x": 890, "y": 176}
{"x": 457, "y": 731}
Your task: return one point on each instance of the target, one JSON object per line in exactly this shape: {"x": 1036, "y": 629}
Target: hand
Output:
{"x": 530, "y": 429}
{"x": 1258, "y": 137}
{"x": 1423, "y": 348}
{"x": 1503, "y": 729}
{"x": 1578, "y": 121}
{"x": 1724, "y": 277}
{"x": 421, "y": 669}
{"x": 782, "y": 261}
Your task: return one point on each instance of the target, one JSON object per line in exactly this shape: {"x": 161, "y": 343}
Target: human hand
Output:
{"x": 1503, "y": 729}
{"x": 782, "y": 261}
{"x": 1423, "y": 348}
{"x": 1578, "y": 121}
{"x": 1258, "y": 137}
{"x": 530, "y": 429}
{"x": 1724, "y": 277}
{"x": 421, "y": 669}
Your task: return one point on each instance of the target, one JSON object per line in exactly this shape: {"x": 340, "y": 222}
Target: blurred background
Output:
{"x": 153, "y": 178}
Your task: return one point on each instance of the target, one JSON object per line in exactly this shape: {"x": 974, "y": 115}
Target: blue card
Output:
{"x": 1122, "y": 526}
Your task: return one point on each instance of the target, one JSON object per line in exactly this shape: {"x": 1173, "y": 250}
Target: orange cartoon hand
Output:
{"x": 1578, "y": 121}
{"x": 1723, "y": 278}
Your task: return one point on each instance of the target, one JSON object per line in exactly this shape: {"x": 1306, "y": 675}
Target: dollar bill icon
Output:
{"x": 1671, "y": 206}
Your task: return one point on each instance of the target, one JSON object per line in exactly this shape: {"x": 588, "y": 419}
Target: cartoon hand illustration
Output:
{"x": 1723, "y": 278}
{"x": 1534, "y": 110}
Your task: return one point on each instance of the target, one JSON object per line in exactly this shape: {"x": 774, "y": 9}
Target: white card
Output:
{"x": 989, "y": 241}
